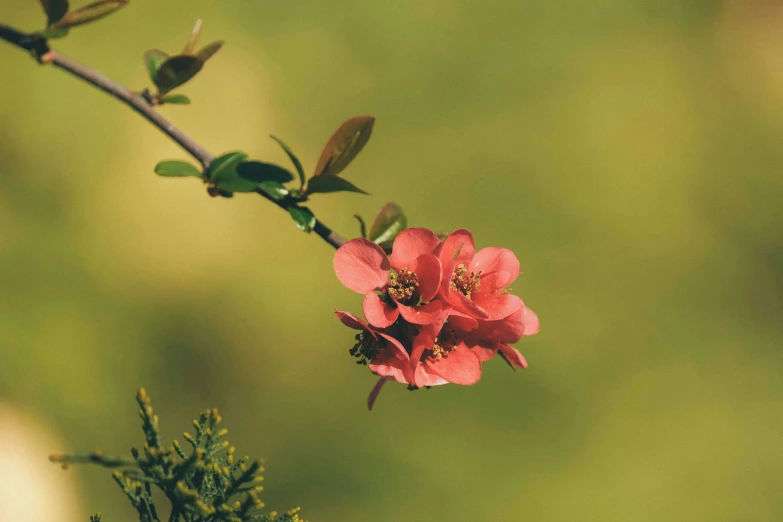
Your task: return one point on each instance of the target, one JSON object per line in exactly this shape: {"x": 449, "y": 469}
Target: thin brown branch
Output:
{"x": 136, "y": 101}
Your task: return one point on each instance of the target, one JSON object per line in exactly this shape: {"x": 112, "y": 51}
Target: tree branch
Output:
{"x": 40, "y": 48}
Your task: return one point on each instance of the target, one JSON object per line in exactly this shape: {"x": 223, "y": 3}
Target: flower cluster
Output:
{"x": 435, "y": 309}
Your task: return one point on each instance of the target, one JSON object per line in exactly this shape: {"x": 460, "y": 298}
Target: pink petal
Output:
{"x": 361, "y": 265}
{"x": 462, "y": 322}
{"x": 379, "y": 313}
{"x": 432, "y": 312}
{"x": 485, "y": 353}
{"x": 497, "y": 306}
{"x": 421, "y": 341}
{"x": 530, "y": 320}
{"x": 513, "y": 356}
{"x": 425, "y": 377}
{"x": 374, "y": 392}
{"x": 459, "y": 366}
{"x": 427, "y": 269}
{"x": 395, "y": 348}
{"x": 457, "y": 247}
{"x": 410, "y": 244}
{"x": 462, "y": 303}
{"x": 499, "y": 268}
{"x": 351, "y": 321}
{"x": 507, "y": 330}
{"x": 390, "y": 367}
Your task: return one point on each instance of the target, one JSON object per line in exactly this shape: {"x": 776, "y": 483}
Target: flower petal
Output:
{"x": 513, "y": 357}
{"x": 351, "y": 321}
{"x": 458, "y": 246}
{"x": 497, "y": 306}
{"x": 499, "y": 268}
{"x": 375, "y": 391}
{"x": 410, "y": 244}
{"x": 379, "y": 313}
{"x": 507, "y": 330}
{"x": 530, "y": 321}
{"x": 459, "y": 366}
{"x": 395, "y": 349}
{"x": 425, "y": 377}
{"x": 485, "y": 353}
{"x": 390, "y": 367}
{"x": 461, "y": 321}
{"x": 427, "y": 269}
{"x": 462, "y": 303}
{"x": 361, "y": 265}
{"x": 432, "y": 312}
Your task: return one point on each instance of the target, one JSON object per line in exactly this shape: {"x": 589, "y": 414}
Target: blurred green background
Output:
{"x": 628, "y": 152}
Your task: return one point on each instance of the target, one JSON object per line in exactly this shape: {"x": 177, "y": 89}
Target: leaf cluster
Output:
{"x": 204, "y": 484}
{"x": 169, "y": 72}
{"x": 60, "y": 18}
{"x": 233, "y": 172}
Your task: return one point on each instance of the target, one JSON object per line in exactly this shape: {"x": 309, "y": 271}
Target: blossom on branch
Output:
{"x": 435, "y": 309}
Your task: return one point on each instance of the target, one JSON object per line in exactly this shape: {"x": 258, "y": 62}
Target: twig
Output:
{"x": 39, "y": 47}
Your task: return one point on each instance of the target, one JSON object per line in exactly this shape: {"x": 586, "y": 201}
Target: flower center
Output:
{"x": 365, "y": 349}
{"x": 404, "y": 287}
{"x": 465, "y": 282}
{"x": 445, "y": 342}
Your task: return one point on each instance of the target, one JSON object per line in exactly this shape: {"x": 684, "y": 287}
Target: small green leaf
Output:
{"x": 389, "y": 222}
{"x": 193, "y": 38}
{"x": 325, "y": 184}
{"x": 51, "y": 34}
{"x": 209, "y": 51}
{"x": 55, "y": 10}
{"x": 175, "y": 99}
{"x": 259, "y": 172}
{"x": 176, "y": 169}
{"x": 223, "y": 173}
{"x": 346, "y": 142}
{"x": 274, "y": 190}
{"x": 304, "y": 219}
{"x": 90, "y": 13}
{"x": 293, "y": 158}
{"x": 154, "y": 58}
{"x": 387, "y": 246}
{"x": 175, "y": 71}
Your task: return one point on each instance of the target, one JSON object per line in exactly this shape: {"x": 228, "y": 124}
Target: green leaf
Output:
{"x": 274, "y": 190}
{"x": 389, "y": 222}
{"x": 293, "y": 158}
{"x": 259, "y": 172}
{"x": 325, "y": 184}
{"x": 55, "y": 10}
{"x": 347, "y": 141}
{"x": 175, "y": 71}
{"x": 176, "y": 169}
{"x": 193, "y": 38}
{"x": 223, "y": 173}
{"x": 209, "y": 51}
{"x": 175, "y": 99}
{"x": 304, "y": 219}
{"x": 154, "y": 58}
{"x": 90, "y": 13}
{"x": 51, "y": 34}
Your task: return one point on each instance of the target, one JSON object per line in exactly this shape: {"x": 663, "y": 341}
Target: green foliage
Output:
{"x": 175, "y": 99}
{"x": 223, "y": 173}
{"x": 176, "y": 169}
{"x": 55, "y": 10}
{"x": 346, "y": 142}
{"x": 169, "y": 72}
{"x": 303, "y": 217}
{"x": 326, "y": 184}
{"x": 293, "y": 158}
{"x": 389, "y": 222}
{"x": 274, "y": 189}
{"x": 89, "y": 13}
{"x": 258, "y": 171}
{"x": 205, "y": 484}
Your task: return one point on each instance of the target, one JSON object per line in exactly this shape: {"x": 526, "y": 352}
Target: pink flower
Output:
{"x": 441, "y": 356}
{"x": 490, "y": 337}
{"x": 409, "y": 291}
{"x": 473, "y": 283}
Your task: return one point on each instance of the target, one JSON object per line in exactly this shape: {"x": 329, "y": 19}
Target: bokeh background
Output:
{"x": 628, "y": 152}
